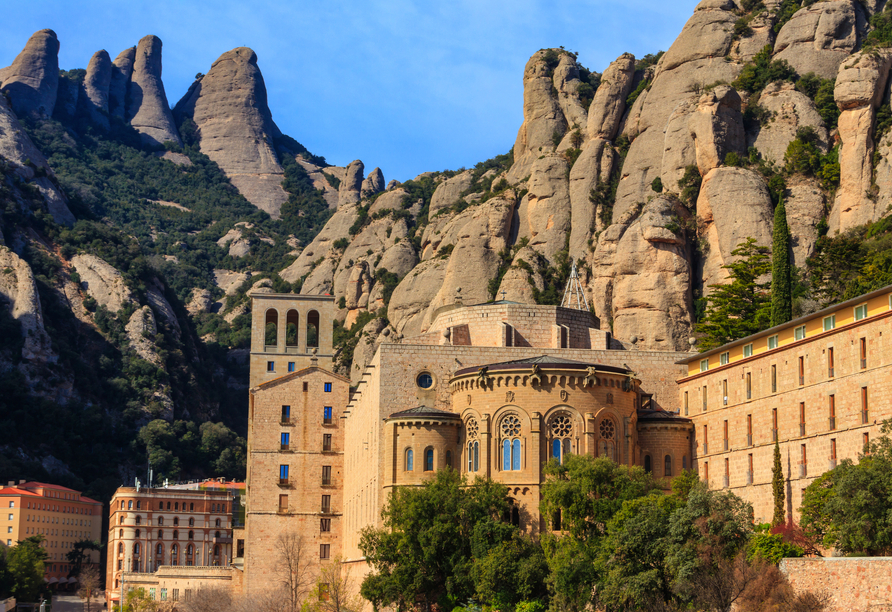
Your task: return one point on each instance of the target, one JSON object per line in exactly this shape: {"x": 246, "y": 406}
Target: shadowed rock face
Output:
{"x": 122, "y": 70}
{"x": 149, "y": 112}
{"x": 235, "y": 127}
{"x": 96, "y": 86}
{"x": 32, "y": 81}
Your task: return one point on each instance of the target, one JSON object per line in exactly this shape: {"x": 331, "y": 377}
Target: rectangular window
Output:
{"x": 801, "y": 371}
{"x": 290, "y": 366}
{"x": 686, "y": 403}
{"x": 725, "y": 392}
{"x": 163, "y": 594}
{"x": 726, "y": 435}
{"x": 283, "y": 474}
{"x": 749, "y": 385}
{"x": 725, "y": 358}
{"x": 804, "y": 456}
{"x": 704, "y": 398}
{"x": 863, "y": 346}
{"x": 706, "y": 471}
{"x": 12, "y": 504}
{"x": 326, "y": 415}
{"x": 864, "y": 408}
{"x": 801, "y": 418}
{"x": 328, "y": 387}
{"x": 832, "y": 407}
{"x": 326, "y": 503}
{"x": 833, "y": 448}
{"x": 866, "y": 441}
{"x": 326, "y": 474}
{"x": 286, "y": 414}
{"x": 284, "y": 441}
{"x": 772, "y": 342}
{"x": 749, "y": 430}
{"x": 830, "y": 364}
{"x": 860, "y": 312}
{"x": 325, "y": 525}
{"x": 705, "y": 439}
{"x": 306, "y": 386}
{"x": 176, "y": 594}
{"x": 152, "y": 594}
{"x": 774, "y": 379}
{"x": 270, "y": 366}
{"x": 774, "y": 424}
{"x": 704, "y": 365}
{"x": 829, "y": 322}
{"x": 799, "y": 333}
{"x": 283, "y": 503}
{"x": 748, "y": 350}
{"x": 326, "y": 442}
{"x": 750, "y": 465}
{"x": 323, "y": 592}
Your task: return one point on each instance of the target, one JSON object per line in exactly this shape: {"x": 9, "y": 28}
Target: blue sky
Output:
{"x": 405, "y": 85}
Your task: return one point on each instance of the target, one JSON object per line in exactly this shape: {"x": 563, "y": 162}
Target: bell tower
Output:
{"x": 289, "y": 332}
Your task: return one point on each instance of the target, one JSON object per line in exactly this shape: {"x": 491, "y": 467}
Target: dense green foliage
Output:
{"x": 445, "y": 543}
{"x": 847, "y": 508}
{"x": 880, "y": 34}
{"x": 743, "y": 306}
{"x": 781, "y": 275}
{"x": 211, "y": 448}
{"x": 22, "y": 570}
{"x": 762, "y": 70}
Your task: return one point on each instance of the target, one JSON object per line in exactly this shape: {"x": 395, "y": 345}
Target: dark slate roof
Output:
{"x": 425, "y": 412}
{"x": 543, "y": 361}
{"x": 661, "y": 415}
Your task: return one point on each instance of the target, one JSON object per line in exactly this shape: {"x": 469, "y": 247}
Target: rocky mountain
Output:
{"x": 132, "y": 231}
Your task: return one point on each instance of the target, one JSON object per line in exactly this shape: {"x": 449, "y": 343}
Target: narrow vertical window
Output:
{"x": 647, "y": 466}
{"x": 866, "y": 442}
{"x": 830, "y": 371}
{"x": 864, "y": 408}
{"x": 506, "y": 455}
{"x": 667, "y": 466}
{"x": 706, "y": 471}
{"x": 470, "y": 456}
{"x": 749, "y": 430}
{"x": 326, "y": 415}
{"x": 326, "y": 474}
{"x": 429, "y": 460}
{"x": 833, "y": 449}
{"x": 863, "y": 346}
{"x": 284, "y": 441}
{"x": 476, "y": 456}
{"x": 515, "y": 455}
{"x": 704, "y": 398}
{"x": 291, "y": 366}
{"x": 448, "y": 458}
{"x": 686, "y": 403}
{"x": 831, "y": 405}
{"x": 774, "y": 424}
{"x": 556, "y": 449}
{"x": 286, "y": 414}
{"x": 801, "y": 418}
{"x": 727, "y": 473}
{"x": 283, "y": 474}
{"x": 725, "y": 392}
{"x": 801, "y": 371}
{"x": 726, "y": 435}
{"x": 409, "y": 460}
{"x": 774, "y": 379}
{"x": 328, "y": 387}
{"x": 705, "y": 439}
{"x": 749, "y": 385}
{"x": 326, "y": 442}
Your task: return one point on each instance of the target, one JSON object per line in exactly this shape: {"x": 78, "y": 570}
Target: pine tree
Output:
{"x": 777, "y": 486}
{"x": 741, "y": 307}
{"x": 781, "y": 275}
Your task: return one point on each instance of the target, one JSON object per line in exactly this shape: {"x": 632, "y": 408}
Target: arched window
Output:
{"x": 176, "y": 505}
{"x": 216, "y": 534}
{"x": 428, "y": 460}
{"x": 159, "y": 549}
{"x": 189, "y": 550}
{"x": 667, "y": 466}
{"x": 647, "y": 467}
{"x": 292, "y": 324}
{"x": 121, "y": 520}
{"x": 160, "y": 535}
{"x": 217, "y": 523}
{"x": 476, "y": 456}
{"x": 168, "y": 505}
{"x": 272, "y": 328}
{"x": 174, "y": 554}
{"x": 312, "y": 329}
{"x": 138, "y": 520}
{"x": 121, "y": 533}
{"x": 130, "y": 504}
{"x": 510, "y": 429}
{"x": 409, "y": 460}
{"x": 448, "y": 458}
{"x": 122, "y": 504}
{"x": 176, "y": 521}
{"x": 136, "y": 534}
{"x": 176, "y": 534}
{"x": 138, "y": 504}
{"x": 160, "y": 520}
{"x": 684, "y": 462}
{"x": 136, "y": 548}
{"x": 515, "y": 516}
{"x": 161, "y": 505}
{"x": 561, "y": 429}
{"x": 191, "y": 522}
{"x": 191, "y": 535}
{"x": 120, "y": 548}
{"x": 191, "y": 507}
{"x": 607, "y": 444}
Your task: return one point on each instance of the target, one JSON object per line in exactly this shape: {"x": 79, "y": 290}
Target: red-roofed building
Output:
{"x": 61, "y": 515}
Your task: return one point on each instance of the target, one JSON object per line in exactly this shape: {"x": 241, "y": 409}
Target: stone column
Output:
{"x": 591, "y": 439}
{"x": 281, "y": 330}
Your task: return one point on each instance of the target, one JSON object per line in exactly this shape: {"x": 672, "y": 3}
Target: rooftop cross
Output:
{"x": 574, "y": 296}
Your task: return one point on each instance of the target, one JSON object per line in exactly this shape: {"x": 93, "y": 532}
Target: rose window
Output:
{"x": 510, "y": 426}
{"x": 472, "y": 428}
{"x": 607, "y": 429}
{"x": 561, "y": 426}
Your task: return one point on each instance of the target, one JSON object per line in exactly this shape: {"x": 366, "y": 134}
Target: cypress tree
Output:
{"x": 777, "y": 486}
{"x": 781, "y": 275}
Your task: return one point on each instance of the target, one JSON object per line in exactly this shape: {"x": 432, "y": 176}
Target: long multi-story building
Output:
{"x": 154, "y": 528}
{"x": 61, "y": 515}
{"x": 819, "y": 386}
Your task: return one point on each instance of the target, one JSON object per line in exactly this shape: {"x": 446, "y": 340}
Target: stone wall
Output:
{"x": 658, "y": 440}
{"x": 854, "y": 584}
{"x": 811, "y": 442}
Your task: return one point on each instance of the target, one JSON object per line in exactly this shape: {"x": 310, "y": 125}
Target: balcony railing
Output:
{"x": 283, "y": 482}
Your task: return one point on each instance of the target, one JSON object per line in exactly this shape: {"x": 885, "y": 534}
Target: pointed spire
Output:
{"x": 574, "y": 296}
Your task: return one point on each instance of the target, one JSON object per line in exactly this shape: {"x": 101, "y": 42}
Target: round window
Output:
{"x": 425, "y": 380}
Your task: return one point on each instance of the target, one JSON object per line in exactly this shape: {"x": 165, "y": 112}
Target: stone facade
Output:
{"x": 820, "y": 385}
{"x": 854, "y": 584}
{"x": 177, "y": 583}
{"x": 296, "y": 425}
